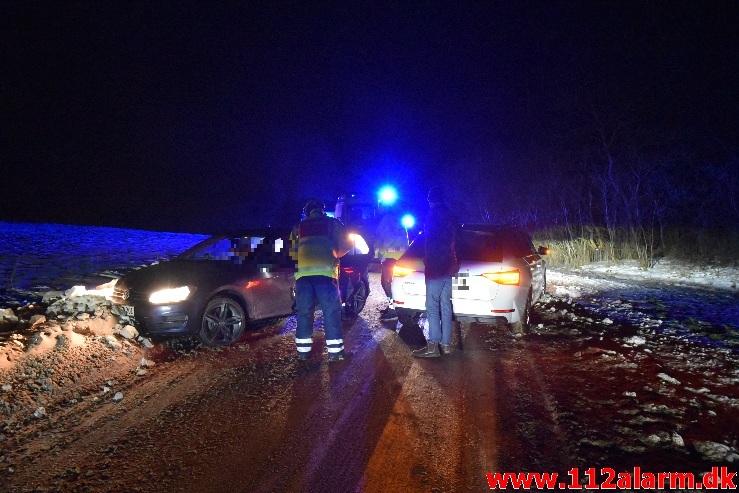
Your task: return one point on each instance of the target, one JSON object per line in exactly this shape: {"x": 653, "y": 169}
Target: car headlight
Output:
{"x": 359, "y": 246}
{"x": 171, "y": 295}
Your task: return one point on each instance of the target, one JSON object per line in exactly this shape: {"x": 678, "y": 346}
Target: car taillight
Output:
{"x": 511, "y": 277}
{"x": 399, "y": 271}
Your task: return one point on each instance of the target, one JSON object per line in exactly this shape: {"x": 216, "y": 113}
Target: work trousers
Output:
{"x": 323, "y": 290}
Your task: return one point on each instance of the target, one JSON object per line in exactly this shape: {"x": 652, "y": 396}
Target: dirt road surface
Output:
{"x": 252, "y": 418}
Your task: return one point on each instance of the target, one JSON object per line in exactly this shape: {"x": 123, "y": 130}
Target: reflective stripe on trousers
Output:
{"x": 334, "y": 345}
{"x": 303, "y": 345}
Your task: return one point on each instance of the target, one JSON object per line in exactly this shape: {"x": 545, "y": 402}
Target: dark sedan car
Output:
{"x": 214, "y": 288}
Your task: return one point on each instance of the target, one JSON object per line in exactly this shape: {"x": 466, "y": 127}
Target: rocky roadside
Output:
{"x": 62, "y": 352}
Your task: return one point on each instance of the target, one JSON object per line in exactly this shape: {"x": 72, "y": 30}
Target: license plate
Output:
{"x": 461, "y": 281}
{"x": 127, "y": 310}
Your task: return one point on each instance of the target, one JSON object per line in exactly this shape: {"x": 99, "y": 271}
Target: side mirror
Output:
{"x": 543, "y": 251}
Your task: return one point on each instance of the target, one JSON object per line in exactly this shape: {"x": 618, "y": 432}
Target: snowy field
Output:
{"x": 701, "y": 304}
{"x": 35, "y": 258}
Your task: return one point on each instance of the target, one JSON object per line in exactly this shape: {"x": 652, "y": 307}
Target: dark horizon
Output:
{"x": 212, "y": 116}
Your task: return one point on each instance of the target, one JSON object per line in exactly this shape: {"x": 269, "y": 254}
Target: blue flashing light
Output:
{"x": 408, "y": 221}
{"x": 388, "y": 195}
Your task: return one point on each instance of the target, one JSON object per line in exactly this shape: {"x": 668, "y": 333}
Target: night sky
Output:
{"x": 193, "y": 117}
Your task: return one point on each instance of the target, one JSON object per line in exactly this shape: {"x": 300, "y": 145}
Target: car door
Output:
{"x": 271, "y": 291}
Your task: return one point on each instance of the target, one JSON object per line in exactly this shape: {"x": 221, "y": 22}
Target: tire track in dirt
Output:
{"x": 251, "y": 418}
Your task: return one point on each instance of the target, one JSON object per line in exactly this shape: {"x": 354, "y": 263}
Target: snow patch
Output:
{"x": 570, "y": 291}
{"x": 667, "y": 378}
{"x": 635, "y": 341}
{"x": 712, "y": 451}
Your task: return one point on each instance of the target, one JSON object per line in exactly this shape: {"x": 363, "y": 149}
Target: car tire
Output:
{"x": 407, "y": 320}
{"x": 523, "y": 326}
{"x": 410, "y": 330}
{"x": 222, "y": 323}
{"x": 357, "y": 299}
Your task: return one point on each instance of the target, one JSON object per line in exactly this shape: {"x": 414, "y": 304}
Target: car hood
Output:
{"x": 175, "y": 273}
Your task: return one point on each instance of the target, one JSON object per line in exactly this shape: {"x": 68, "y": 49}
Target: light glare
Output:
{"x": 360, "y": 246}
{"x": 408, "y": 221}
{"x": 173, "y": 295}
{"x": 388, "y": 195}
{"x": 399, "y": 271}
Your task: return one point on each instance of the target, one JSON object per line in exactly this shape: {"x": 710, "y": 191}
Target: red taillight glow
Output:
{"x": 511, "y": 277}
{"x": 399, "y": 271}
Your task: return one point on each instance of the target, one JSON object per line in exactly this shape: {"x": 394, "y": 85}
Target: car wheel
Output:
{"x": 357, "y": 299}
{"x": 522, "y": 326}
{"x": 410, "y": 330}
{"x": 222, "y": 323}
{"x": 407, "y": 320}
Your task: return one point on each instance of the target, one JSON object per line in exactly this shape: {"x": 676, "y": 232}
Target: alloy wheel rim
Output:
{"x": 222, "y": 322}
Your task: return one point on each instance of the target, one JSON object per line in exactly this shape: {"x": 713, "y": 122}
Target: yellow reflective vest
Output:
{"x": 317, "y": 243}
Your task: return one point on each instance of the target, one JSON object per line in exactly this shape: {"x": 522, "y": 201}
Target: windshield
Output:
{"x": 483, "y": 246}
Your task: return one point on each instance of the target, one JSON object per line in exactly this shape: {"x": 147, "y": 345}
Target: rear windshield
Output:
{"x": 481, "y": 246}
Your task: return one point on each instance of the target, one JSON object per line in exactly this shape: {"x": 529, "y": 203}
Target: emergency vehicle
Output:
{"x": 379, "y": 227}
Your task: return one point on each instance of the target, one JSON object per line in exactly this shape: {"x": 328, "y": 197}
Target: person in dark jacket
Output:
{"x": 440, "y": 265}
{"x": 317, "y": 243}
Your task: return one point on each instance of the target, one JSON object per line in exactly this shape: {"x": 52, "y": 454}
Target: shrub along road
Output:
{"x": 577, "y": 392}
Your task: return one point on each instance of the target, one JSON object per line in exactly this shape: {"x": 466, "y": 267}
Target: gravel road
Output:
{"x": 577, "y": 392}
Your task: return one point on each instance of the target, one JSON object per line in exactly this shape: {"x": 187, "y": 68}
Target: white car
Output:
{"x": 501, "y": 276}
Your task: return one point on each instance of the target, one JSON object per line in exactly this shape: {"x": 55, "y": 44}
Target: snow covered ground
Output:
{"x": 671, "y": 299}
{"x": 649, "y": 361}
{"x": 36, "y": 258}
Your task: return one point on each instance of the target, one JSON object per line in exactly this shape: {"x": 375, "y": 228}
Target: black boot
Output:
{"x": 429, "y": 351}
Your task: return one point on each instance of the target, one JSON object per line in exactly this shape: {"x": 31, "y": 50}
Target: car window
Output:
{"x": 218, "y": 250}
{"x": 359, "y": 212}
{"x": 236, "y": 249}
{"x": 270, "y": 252}
{"x": 527, "y": 246}
{"x": 483, "y": 246}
